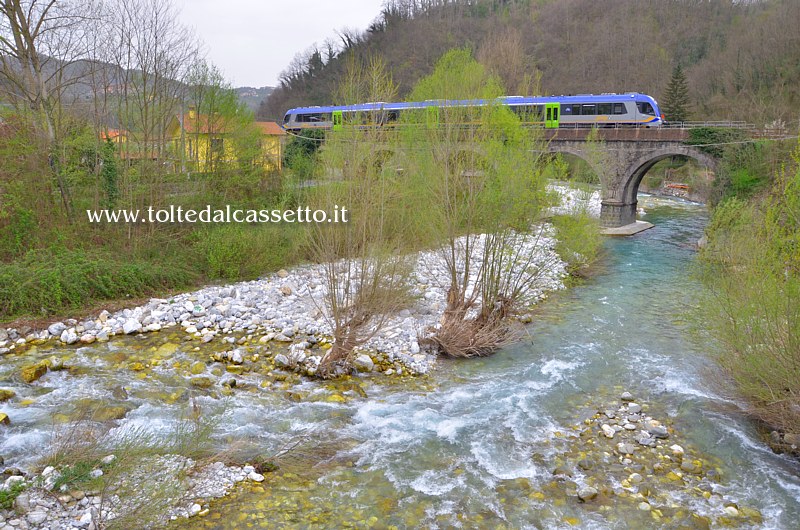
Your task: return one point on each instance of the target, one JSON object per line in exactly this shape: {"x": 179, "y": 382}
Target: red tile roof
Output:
{"x": 270, "y": 128}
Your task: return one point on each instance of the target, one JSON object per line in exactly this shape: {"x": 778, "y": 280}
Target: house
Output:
{"x": 205, "y": 143}
{"x": 273, "y": 140}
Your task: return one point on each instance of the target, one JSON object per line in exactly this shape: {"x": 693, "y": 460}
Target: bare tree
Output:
{"x": 365, "y": 266}
{"x": 41, "y": 43}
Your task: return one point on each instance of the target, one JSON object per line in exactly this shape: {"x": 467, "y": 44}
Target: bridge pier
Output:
{"x": 615, "y": 213}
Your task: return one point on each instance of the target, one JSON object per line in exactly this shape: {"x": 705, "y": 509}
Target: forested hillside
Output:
{"x": 740, "y": 57}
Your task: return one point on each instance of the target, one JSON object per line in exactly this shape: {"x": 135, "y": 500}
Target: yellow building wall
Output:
{"x": 198, "y": 151}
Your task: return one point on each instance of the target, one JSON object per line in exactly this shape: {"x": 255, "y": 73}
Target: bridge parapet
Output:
{"x": 619, "y": 135}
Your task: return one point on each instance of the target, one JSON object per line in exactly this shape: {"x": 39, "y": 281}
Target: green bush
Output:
{"x": 8, "y": 496}
{"x": 233, "y": 252}
{"x": 579, "y": 239}
{"x": 51, "y": 280}
{"x": 19, "y": 232}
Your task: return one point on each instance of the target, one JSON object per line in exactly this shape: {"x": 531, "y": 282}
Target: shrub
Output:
{"x": 236, "y": 251}
{"x": 51, "y": 280}
{"x": 579, "y": 240}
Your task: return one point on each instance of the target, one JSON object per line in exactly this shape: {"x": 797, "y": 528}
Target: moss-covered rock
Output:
{"x": 33, "y": 372}
{"x": 202, "y": 382}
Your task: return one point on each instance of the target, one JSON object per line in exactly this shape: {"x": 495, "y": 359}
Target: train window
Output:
{"x": 528, "y": 112}
{"x": 566, "y": 110}
{"x": 315, "y": 117}
{"x": 604, "y": 108}
{"x": 576, "y": 110}
{"x": 287, "y": 118}
{"x": 619, "y": 108}
{"x": 646, "y": 108}
{"x": 588, "y": 110}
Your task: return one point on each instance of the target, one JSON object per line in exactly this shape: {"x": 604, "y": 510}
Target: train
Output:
{"x": 631, "y": 109}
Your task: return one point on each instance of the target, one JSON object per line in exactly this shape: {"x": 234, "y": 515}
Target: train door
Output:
{"x": 337, "y": 120}
{"x": 551, "y": 115}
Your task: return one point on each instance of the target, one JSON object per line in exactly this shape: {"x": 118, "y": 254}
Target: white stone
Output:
{"x": 608, "y": 431}
{"x": 255, "y": 477}
{"x": 131, "y": 326}
{"x": 363, "y": 363}
{"x": 68, "y": 336}
{"x": 12, "y": 481}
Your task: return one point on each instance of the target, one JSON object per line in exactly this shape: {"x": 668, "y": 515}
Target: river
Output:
{"x": 474, "y": 444}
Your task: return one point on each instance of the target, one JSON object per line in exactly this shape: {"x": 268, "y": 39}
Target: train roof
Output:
{"x": 506, "y": 100}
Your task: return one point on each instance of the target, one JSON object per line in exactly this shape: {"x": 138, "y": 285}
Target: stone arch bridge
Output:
{"x": 622, "y": 160}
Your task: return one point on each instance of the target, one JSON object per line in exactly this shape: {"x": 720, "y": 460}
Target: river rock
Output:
{"x": 255, "y": 477}
{"x": 626, "y": 396}
{"x": 6, "y": 394}
{"x": 131, "y": 326}
{"x": 791, "y": 439}
{"x": 626, "y": 448}
{"x": 608, "y": 431}
{"x": 37, "y": 517}
{"x": 363, "y": 363}
{"x": 22, "y": 503}
{"x": 56, "y": 329}
{"x": 4, "y": 419}
{"x": 282, "y": 360}
{"x": 634, "y": 408}
{"x": 68, "y": 336}
{"x": 659, "y": 431}
{"x": 587, "y": 493}
{"x": 646, "y": 440}
{"x": 202, "y": 382}
{"x": 236, "y": 356}
{"x": 33, "y": 372}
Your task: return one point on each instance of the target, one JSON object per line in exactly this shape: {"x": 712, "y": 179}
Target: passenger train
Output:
{"x": 605, "y": 110}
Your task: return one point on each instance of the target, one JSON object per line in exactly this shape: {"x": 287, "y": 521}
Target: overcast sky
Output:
{"x": 253, "y": 40}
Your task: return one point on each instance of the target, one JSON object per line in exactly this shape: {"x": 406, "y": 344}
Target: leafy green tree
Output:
{"x": 484, "y": 193}
{"x": 676, "y": 104}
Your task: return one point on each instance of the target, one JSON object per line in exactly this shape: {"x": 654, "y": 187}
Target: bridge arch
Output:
{"x": 621, "y": 165}
{"x": 639, "y": 166}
